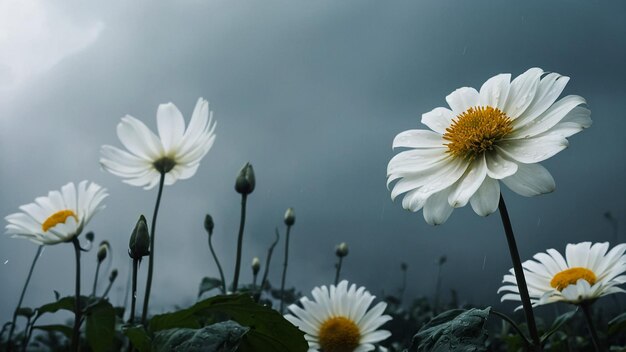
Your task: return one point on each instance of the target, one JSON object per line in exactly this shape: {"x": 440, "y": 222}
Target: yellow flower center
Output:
{"x": 339, "y": 334}
{"x": 58, "y": 218}
{"x": 476, "y": 130}
{"x": 570, "y": 276}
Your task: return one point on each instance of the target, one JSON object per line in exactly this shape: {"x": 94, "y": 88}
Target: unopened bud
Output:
{"x": 403, "y": 266}
{"x": 113, "y": 275}
{"x": 102, "y": 251}
{"x": 209, "y": 224}
{"x": 245, "y": 180}
{"x": 290, "y": 217}
{"x": 442, "y": 259}
{"x": 139, "y": 245}
{"x": 89, "y": 236}
{"x": 256, "y": 265}
{"x": 341, "y": 250}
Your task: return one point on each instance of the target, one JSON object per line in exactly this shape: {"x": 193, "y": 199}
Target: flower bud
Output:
{"x": 209, "y": 224}
{"x": 341, "y": 250}
{"x": 256, "y": 265}
{"x": 290, "y": 217}
{"x": 102, "y": 251}
{"x": 89, "y": 236}
{"x": 139, "y": 245}
{"x": 113, "y": 275}
{"x": 442, "y": 259}
{"x": 245, "y": 180}
{"x": 403, "y": 266}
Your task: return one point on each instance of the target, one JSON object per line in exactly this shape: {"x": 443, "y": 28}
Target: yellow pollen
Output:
{"x": 570, "y": 276}
{"x": 339, "y": 334}
{"x": 476, "y": 130}
{"x": 58, "y": 218}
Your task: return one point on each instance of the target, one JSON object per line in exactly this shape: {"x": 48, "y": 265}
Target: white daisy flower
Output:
{"x": 176, "y": 152}
{"x": 338, "y": 320}
{"x": 498, "y": 134}
{"x": 60, "y": 216}
{"x": 587, "y": 272}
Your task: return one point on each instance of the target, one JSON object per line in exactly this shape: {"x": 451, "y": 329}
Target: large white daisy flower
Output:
{"x": 176, "y": 152}
{"x": 338, "y": 320}
{"x": 586, "y": 273}
{"x": 60, "y": 216}
{"x": 498, "y": 134}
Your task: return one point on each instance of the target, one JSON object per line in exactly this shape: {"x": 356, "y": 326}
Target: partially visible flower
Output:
{"x": 587, "y": 272}
{"x": 501, "y": 133}
{"x": 176, "y": 152}
{"x": 60, "y": 216}
{"x": 341, "y": 250}
{"x": 338, "y": 320}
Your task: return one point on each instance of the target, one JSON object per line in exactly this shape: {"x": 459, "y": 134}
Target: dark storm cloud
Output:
{"x": 312, "y": 93}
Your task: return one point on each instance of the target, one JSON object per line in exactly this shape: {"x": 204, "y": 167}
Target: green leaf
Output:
{"x": 453, "y": 330}
{"x": 269, "y": 331}
{"x": 25, "y": 312}
{"x": 138, "y": 337}
{"x": 100, "y": 326}
{"x": 64, "y": 329}
{"x": 617, "y": 324}
{"x": 65, "y": 303}
{"x": 223, "y": 337}
{"x": 557, "y": 324}
{"x": 207, "y": 284}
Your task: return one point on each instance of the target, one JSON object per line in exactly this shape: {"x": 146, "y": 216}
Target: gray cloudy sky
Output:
{"x": 312, "y": 93}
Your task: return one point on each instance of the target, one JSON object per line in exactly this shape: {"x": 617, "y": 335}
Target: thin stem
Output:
{"x": 403, "y": 288}
{"x": 512, "y": 323}
{"x": 146, "y": 299}
{"x": 254, "y": 276}
{"x": 267, "y": 265}
{"x": 77, "y": 307}
{"x": 19, "y": 303}
{"x": 219, "y": 267}
{"x": 586, "y": 308}
{"x": 519, "y": 275}
{"x": 95, "y": 280}
{"x": 338, "y": 267}
{"x": 242, "y": 223}
{"x": 106, "y": 292}
{"x": 133, "y": 298}
{"x": 282, "y": 282}
{"x": 437, "y": 290}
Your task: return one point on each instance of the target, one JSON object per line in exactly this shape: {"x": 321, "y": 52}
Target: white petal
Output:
{"x": 438, "y": 119}
{"x": 495, "y": 91}
{"x": 375, "y": 336}
{"x": 575, "y": 121}
{"x": 171, "y": 126}
{"x": 499, "y": 167}
{"x": 532, "y": 150}
{"x": 418, "y": 139}
{"x": 549, "y": 89}
{"x": 436, "y": 209}
{"x": 463, "y": 190}
{"x": 462, "y": 99}
{"x": 138, "y": 139}
{"x": 522, "y": 92}
{"x": 548, "y": 119}
{"x": 485, "y": 200}
{"x": 530, "y": 180}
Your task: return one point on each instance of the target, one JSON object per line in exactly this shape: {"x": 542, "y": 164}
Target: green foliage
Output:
{"x": 138, "y": 338}
{"x": 208, "y": 284}
{"x": 453, "y": 330}
{"x": 221, "y": 337}
{"x": 269, "y": 331}
{"x": 101, "y": 326}
{"x": 63, "y": 329}
{"x": 617, "y": 324}
{"x": 557, "y": 324}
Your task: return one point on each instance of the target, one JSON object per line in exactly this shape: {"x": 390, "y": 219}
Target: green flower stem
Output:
{"x": 403, "y": 288}
{"x": 95, "y": 280}
{"x": 77, "y": 306}
{"x": 338, "y": 267}
{"x": 133, "y": 297}
{"x": 437, "y": 289}
{"x": 282, "y": 282}
{"x": 254, "y": 276}
{"x": 242, "y": 223}
{"x": 219, "y": 267}
{"x": 106, "y": 292}
{"x": 267, "y": 265}
{"x": 146, "y": 299}
{"x": 513, "y": 324}
{"x": 519, "y": 275}
{"x": 586, "y": 308}
{"x": 19, "y": 303}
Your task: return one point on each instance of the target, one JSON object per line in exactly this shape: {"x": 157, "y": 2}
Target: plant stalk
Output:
{"x": 219, "y": 267}
{"x": 267, "y": 265}
{"x": 95, "y": 280}
{"x": 77, "y": 305}
{"x": 338, "y": 267}
{"x": 242, "y": 223}
{"x": 282, "y": 282}
{"x": 133, "y": 298}
{"x": 586, "y": 308}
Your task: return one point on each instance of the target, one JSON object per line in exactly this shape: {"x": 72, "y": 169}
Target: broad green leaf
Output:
{"x": 101, "y": 326}
{"x": 64, "y": 329}
{"x": 269, "y": 331}
{"x": 65, "y": 303}
{"x": 558, "y": 323}
{"x": 207, "y": 284}
{"x": 454, "y": 330}
{"x": 25, "y": 312}
{"x": 617, "y": 324}
{"x": 138, "y": 337}
{"x": 221, "y": 337}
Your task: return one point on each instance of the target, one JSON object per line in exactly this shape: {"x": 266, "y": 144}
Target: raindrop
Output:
{"x": 484, "y": 262}
{"x": 6, "y": 261}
